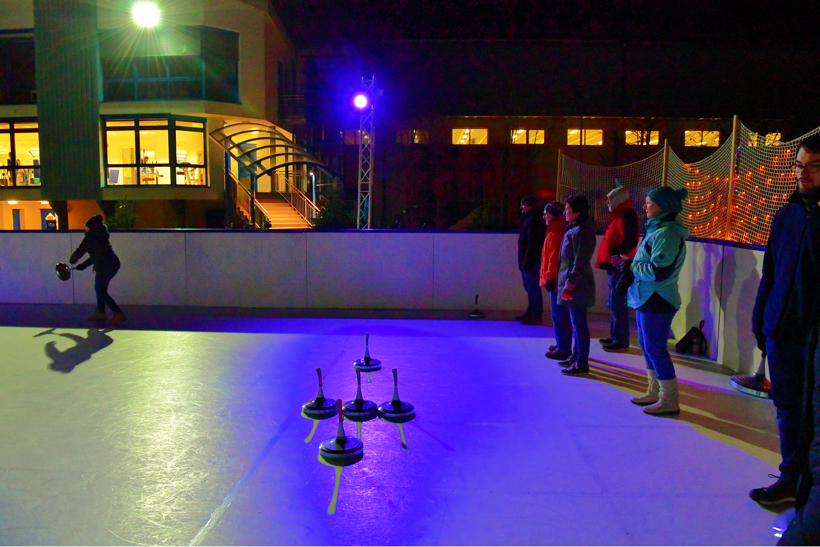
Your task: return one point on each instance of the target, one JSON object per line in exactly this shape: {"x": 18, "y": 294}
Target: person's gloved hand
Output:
{"x": 566, "y": 294}
{"x": 626, "y": 265}
{"x": 617, "y": 261}
{"x": 761, "y": 341}
{"x": 549, "y": 285}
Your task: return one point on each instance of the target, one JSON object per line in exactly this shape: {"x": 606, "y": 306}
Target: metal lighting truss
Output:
{"x": 366, "y": 142}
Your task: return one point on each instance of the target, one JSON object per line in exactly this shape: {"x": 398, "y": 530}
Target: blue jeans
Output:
{"x": 535, "y": 300}
{"x": 561, "y": 323}
{"x": 653, "y": 336}
{"x": 786, "y": 369}
{"x": 101, "y": 280}
{"x": 618, "y": 311}
{"x": 580, "y": 335}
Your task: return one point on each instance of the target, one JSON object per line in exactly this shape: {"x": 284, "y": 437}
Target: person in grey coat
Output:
{"x": 576, "y": 280}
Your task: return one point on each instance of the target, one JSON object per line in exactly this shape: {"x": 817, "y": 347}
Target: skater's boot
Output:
{"x": 98, "y": 315}
{"x": 652, "y": 390}
{"x": 668, "y": 400}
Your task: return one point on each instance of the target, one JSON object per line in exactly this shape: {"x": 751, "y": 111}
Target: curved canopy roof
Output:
{"x": 261, "y": 148}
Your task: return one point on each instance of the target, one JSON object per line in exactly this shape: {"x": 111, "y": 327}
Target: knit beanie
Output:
{"x": 669, "y": 199}
{"x": 554, "y": 208}
{"x": 617, "y": 195}
{"x": 94, "y": 222}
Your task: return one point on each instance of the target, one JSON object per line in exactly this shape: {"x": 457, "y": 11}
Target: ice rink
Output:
{"x": 183, "y": 427}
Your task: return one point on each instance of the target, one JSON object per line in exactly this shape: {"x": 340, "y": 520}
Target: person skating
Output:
{"x": 106, "y": 265}
{"x": 620, "y": 239}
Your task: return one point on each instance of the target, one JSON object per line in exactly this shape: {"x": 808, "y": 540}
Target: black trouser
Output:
{"x": 102, "y": 279}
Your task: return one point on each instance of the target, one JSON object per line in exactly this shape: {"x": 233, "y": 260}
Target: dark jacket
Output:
{"x": 621, "y": 237}
{"x": 788, "y": 298}
{"x": 576, "y": 264}
{"x": 531, "y": 240}
{"x": 100, "y": 253}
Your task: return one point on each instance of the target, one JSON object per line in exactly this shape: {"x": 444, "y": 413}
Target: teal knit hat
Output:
{"x": 669, "y": 199}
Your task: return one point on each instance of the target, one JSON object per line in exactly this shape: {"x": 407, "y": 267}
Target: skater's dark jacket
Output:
{"x": 531, "y": 240}
{"x": 788, "y": 298}
{"x": 100, "y": 253}
{"x": 575, "y": 267}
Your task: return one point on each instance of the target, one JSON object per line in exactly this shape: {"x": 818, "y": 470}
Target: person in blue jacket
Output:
{"x": 106, "y": 265}
{"x": 654, "y": 294}
{"x": 788, "y": 299}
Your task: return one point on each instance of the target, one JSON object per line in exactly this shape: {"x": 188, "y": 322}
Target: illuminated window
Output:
{"x": 19, "y": 154}
{"x": 139, "y": 151}
{"x": 411, "y": 136}
{"x": 642, "y": 138}
{"x": 772, "y": 139}
{"x": 527, "y": 136}
{"x": 591, "y": 137}
{"x": 701, "y": 138}
{"x": 469, "y": 136}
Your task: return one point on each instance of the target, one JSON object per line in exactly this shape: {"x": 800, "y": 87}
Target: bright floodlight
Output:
{"x": 360, "y": 100}
{"x": 145, "y": 14}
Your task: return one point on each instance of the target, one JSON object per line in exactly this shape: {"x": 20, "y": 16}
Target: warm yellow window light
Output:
{"x": 43, "y": 203}
{"x": 12, "y": 203}
{"x": 145, "y": 14}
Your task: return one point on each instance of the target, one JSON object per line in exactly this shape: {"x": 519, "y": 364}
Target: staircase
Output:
{"x": 282, "y": 216}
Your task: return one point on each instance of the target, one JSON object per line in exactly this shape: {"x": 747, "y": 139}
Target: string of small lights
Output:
{"x": 761, "y": 175}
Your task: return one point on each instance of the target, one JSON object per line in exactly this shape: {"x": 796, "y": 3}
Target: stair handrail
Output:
{"x": 244, "y": 199}
{"x": 298, "y": 200}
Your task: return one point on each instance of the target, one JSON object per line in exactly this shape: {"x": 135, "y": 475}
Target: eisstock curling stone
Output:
{"x": 476, "y": 313}
{"x": 63, "y": 271}
{"x": 319, "y": 408}
{"x": 341, "y": 450}
{"x": 754, "y": 384}
{"x": 360, "y": 409}
{"x": 367, "y": 364}
{"x": 396, "y": 411}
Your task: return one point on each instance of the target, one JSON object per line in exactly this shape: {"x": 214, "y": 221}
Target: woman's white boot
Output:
{"x": 652, "y": 391}
{"x": 668, "y": 401}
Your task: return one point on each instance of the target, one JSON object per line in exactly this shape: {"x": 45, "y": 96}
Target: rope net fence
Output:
{"x": 757, "y": 167}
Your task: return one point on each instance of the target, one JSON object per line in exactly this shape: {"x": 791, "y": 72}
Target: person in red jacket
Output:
{"x": 620, "y": 239}
{"x": 550, "y": 257}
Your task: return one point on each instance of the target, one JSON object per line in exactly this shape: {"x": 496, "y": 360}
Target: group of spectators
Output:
{"x": 641, "y": 276}
{"x": 644, "y": 276}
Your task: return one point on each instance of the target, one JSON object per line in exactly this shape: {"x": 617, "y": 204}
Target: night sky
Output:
{"x": 754, "y": 22}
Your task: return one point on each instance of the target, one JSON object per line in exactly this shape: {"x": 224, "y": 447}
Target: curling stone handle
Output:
{"x": 339, "y": 408}
{"x": 395, "y": 377}
{"x": 761, "y": 368}
{"x": 319, "y": 372}
{"x": 476, "y": 300}
{"x": 359, "y": 378}
{"x": 366, "y": 339}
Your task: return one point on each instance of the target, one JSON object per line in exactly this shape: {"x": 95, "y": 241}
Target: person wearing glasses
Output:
{"x": 786, "y": 307}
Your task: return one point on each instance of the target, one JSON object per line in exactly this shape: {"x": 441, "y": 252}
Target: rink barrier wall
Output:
{"x": 375, "y": 269}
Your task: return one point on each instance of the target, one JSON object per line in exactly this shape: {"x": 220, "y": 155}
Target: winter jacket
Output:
{"x": 621, "y": 237}
{"x": 575, "y": 268}
{"x": 551, "y": 252}
{"x": 789, "y": 293}
{"x": 658, "y": 262}
{"x": 531, "y": 240}
{"x": 100, "y": 253}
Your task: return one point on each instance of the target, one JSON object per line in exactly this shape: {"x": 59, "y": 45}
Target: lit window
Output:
{"x": 772, "y": 139}
{"x": 411, "y": 136}
{"x": 642, "y": 138}
{"x": 701, "y": 138}
{"x": 354, "y": 136}
{"x": 19, "y": 154}
{"x": 469, "y": 136}
{"x": 527, "y": 136}
{"x": 138, "y": 152}
{"x": 589, "y": 137}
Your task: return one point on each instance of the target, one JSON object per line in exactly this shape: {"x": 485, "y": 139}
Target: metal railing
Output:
{"x": 247, "y": 204}
{"x": 297, "y": 199}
